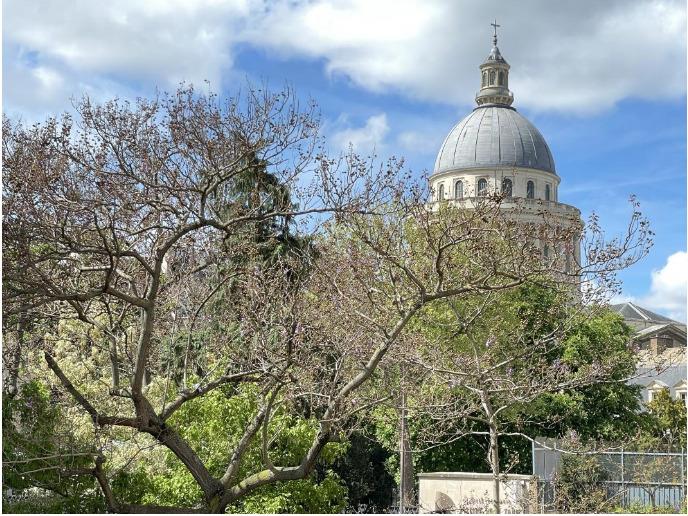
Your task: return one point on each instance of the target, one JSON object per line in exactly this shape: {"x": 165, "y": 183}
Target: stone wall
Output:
{"x": 472, "y": 493}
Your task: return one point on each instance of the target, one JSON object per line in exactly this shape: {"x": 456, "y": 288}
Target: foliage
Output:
{"x": 666, "y": 423}
{"x": 600, "y": 410}
{"x": 203, "y": 351}
{"x": 208, "y": 423}
{"x": 363, "y": 469}
{"x": 38, "y": 454}
{"x": 577, "y": 485}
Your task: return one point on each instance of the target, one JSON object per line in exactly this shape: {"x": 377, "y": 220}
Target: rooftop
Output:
{"x": 632, "y": 312}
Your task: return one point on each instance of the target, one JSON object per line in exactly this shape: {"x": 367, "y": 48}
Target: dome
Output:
{"x": 494, "y": 136}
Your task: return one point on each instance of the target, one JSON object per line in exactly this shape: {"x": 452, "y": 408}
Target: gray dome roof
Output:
{"x": 494, "y": 136}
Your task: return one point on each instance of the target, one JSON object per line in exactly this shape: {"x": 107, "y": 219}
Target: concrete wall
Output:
{"x": 472, "y": 493}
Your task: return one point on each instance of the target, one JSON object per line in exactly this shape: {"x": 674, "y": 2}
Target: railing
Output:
{"x": 530, "y": 203}
{"x": 622, "y": 494}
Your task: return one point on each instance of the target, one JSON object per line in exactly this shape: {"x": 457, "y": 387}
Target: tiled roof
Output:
{"x": 633, "y": 312}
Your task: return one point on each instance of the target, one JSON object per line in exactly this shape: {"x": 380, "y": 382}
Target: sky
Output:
{"x": 605, "y": 83}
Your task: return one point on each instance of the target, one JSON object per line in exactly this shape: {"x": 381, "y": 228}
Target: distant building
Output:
{"x": 497, "y": 150}
{"x": 662, "y": 351}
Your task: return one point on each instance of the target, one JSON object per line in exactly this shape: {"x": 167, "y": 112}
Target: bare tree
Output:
{"x": 126, "y": 221}
{"x": 122, "y": 234}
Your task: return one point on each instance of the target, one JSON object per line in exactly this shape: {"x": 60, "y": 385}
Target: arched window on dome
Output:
{"x": 492, "y": 77}
{"x": 458, "y": 190}
{"x": 548, "y": 192}
{"x": 530, "y": 190}
{"x": 440, "y": 195}
{"x": 507, "y": 187}
{"x": 482, "y": 187}
{"x": 501, "y": 79}
{"x": 484, "y": 79}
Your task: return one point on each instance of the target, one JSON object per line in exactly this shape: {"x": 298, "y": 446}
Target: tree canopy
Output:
{"x": 213, "y": 305}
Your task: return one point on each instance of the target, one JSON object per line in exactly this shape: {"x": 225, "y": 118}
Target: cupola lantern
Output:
{"x": 494, "y": 77}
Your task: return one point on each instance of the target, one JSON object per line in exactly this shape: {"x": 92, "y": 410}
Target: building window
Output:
{"x": 458, "y": 190}
{"x": 482, "y": 187}
{"x": 530, "y": 190}
{"x": 501, "y": 78}
{"x": 547, "y": 192}
{"x": 484, "y": 79}
{"x": 492, "y": 77}
{"x": 440, "y": 195}
{"x": 507, "y": 187}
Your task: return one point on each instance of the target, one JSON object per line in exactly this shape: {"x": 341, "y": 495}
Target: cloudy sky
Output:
{"x": 605, "y": 82}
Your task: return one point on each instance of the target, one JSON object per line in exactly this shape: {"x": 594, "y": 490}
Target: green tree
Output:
{"x": 665, "y": 427}
{"x": 208, "y": 424}
{"x": 529, "y": 363}
{"x": 39, "y": 450}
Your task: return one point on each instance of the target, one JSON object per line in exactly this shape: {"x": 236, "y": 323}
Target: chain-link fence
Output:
{"x": 631, "y": 478}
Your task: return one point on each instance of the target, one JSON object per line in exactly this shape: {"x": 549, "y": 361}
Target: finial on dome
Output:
{"x": 494, "y": 73}
{"x": 494, "y": 38}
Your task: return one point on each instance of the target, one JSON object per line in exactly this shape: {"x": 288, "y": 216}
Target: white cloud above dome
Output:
{"x": 582, "y": 56}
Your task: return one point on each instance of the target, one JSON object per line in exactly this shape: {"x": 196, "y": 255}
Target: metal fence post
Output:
{"x": 682, "y": 491}
{"x": 623, "y": 490}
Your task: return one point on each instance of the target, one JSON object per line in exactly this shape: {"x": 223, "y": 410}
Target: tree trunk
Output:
{"x": 494, "y": 464}
{"x": 493, "y": 451}
{"x": 406, "y": 475}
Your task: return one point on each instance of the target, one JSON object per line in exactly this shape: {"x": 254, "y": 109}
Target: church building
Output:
{"x": 495, "y": 149}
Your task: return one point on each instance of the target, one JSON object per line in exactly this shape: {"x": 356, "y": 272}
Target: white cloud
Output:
{"x": 669, "y": 287}
{"x": 63, "y": 49}
{"x": 419, "y": 142}
{"x": 579, "y": 56}
{"x": 368, "y": 139}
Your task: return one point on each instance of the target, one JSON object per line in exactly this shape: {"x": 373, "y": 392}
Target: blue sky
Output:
{"x": 605, "y": 83}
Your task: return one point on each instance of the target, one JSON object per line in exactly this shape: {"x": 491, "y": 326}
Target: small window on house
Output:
{"x": 440, "y": 194}
{"x": 530, "y": 190}
{"x": 458, "y": 190}
{"x": 482, "y": 187}
{"x": 548, "y": 190}
{"x": 507, "y": 187}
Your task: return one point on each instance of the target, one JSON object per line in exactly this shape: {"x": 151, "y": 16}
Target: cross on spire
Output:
{"x": 494, "y": 39}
